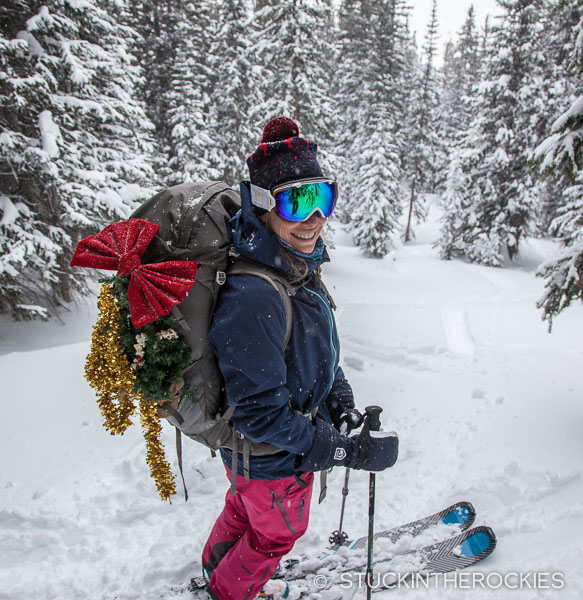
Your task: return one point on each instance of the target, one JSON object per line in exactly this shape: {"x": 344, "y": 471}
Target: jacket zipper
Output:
{"x": 331, "y": 329}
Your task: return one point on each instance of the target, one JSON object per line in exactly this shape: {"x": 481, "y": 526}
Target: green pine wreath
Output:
{"x": 156, "y": 351}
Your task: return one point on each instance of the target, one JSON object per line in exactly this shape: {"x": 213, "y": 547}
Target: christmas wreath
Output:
{"x": 137, "y": 357}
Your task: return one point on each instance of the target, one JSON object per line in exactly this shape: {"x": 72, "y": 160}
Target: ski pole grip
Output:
{"x": 372, "y": 422}
{"x": 373, "y": 414}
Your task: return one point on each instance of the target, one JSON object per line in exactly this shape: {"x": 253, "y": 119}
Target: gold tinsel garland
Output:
{"x": 109, "y": 372}
{"x": 159, "y": 467}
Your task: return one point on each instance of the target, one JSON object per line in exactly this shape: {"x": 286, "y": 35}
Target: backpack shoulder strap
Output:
{"x": 285, "y": 289}
{"x": 320, "y": 284}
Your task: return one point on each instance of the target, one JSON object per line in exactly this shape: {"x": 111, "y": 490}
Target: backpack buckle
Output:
{"x": 221, "y": 277}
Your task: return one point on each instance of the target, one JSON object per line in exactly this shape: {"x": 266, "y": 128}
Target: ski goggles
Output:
{"x": 298, "y": 200}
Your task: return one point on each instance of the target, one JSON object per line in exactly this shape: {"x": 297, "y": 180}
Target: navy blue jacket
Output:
{"x": 272, "y": 387}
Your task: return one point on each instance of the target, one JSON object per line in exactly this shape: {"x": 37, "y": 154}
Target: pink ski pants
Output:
{"x": 257, "y": 527}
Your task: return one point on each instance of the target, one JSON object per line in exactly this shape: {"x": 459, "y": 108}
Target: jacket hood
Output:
{"x": 252, "y": 239}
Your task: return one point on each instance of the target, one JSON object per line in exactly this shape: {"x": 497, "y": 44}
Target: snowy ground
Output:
{"x": 486, "y": 402}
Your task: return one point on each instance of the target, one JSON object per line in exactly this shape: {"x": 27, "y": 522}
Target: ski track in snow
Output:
{"x": 455, "y": 326}
{"x": 487, "y": 405}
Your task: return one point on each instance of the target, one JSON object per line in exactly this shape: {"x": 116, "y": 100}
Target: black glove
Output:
{"x": 340, "y": 400}
{"x": 349, "y": 420}
{"x": 331, "y": 449}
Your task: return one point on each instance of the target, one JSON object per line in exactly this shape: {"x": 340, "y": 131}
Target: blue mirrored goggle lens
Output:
{"x": 298, "y": 203}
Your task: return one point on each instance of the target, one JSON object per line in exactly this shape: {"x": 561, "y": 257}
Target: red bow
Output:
{"x": 155, "y": 288}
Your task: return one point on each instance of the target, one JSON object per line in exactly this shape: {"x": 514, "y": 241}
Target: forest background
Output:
{"x": 105, "y": 102}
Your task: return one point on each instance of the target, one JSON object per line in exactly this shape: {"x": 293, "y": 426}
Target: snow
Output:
{"x": 35, "y": 48}
{"x": 503, "y": 80}
{"x": 130, "y": 193}
{"x": 90, "y": 176}
{"x": 86, "y": 106}
{"x": 36, "y": 310}
{"x": 9, "y": 211}
{"x": 50, "y": 133}
{"x": 487, "y": 405}
{"x": 37, "y": 21}
{"x": 575, "y": 109}
{"x": 114, "y": 203}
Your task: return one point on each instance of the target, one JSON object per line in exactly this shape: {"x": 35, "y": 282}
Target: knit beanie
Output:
{"x": 282, "y": 155}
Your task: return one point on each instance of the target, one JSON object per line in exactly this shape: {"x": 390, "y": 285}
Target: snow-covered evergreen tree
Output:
{"x": 193, "y": 154}
{"x": 233, "y": 133}
{"x": 501, "y": 191}
{"x": 561, "y": 158}
{"x": 291, "y": 49}
{"x": 158, "y": 24}
{"x": 424, "y": 143}
{"x": 556, "y": 90}
{"x": 461, "y": 72}
{"x": 461, "y": 76}
{"x": 454, "y": 202}
{"x": 373, "y": 139}
{"x": 75, "y": 144}
{"x": 449, "y": 96}
{"x": 353, "y": 53}
{"x": 376, "y": 212}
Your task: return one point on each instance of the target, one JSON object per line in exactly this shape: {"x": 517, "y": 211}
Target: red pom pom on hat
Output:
{"x": 280, "y": 128}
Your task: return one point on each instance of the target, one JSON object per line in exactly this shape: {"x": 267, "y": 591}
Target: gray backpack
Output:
{"x": 193, "y": 226}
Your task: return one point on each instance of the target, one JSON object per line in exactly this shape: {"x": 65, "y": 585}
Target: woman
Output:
{"x": 295, "y": 396}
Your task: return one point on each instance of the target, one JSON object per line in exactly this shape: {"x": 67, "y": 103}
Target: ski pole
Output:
{"x": 374, "y": 424}
{"x": 338, "y": 538}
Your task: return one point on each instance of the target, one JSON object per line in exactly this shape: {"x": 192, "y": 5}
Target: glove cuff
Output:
{"x": 330, "y": 449}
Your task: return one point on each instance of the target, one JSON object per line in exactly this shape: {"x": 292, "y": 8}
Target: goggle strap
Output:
{"x": 262, "y": 198}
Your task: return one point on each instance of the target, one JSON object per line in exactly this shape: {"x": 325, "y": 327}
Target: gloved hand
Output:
{"x": 332, "y": 449}
{"x": 349, "y": 420}
{"x": 340, "y": 402}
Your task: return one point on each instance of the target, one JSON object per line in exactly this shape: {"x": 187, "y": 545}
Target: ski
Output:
{"x": 459, "y": 516}
{"x": 452, "y": 554}
{"x": 402, "y": 570}
{"x": 461, "y": 513}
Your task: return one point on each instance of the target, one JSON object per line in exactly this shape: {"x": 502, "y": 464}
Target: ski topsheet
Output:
{"x": 453, "y": 554}
{"x": 416, "y": 568}
{"x": 462, "y": 514}
{"x": 445, "y": 523}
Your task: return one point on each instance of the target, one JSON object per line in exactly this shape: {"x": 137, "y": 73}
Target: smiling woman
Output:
{"x": 280, "y": 365}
